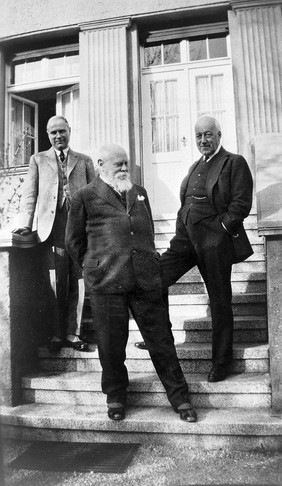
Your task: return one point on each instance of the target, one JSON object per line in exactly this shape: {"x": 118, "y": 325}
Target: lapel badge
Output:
{"x": 140, "y": 198}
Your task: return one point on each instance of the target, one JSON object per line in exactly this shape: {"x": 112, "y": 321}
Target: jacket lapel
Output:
{"x": 216, "y": 167}
{"x": 52, "y": 159}
{"x": 106, "y": 192}
{"x": 131, "y": 197}
{"x": 72, "y": 161}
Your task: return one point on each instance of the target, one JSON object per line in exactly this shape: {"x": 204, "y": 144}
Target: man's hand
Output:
{"x": 22, "y": 231}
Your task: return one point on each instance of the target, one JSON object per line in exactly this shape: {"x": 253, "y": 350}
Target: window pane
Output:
{"x": 29, "y": 122}
{"x": 44, "y": 68}
{"x": 164, "y": 116}
{"x": 56, "y": 67}
{"x": 71, "y": 64}
{"x": 217, "y": 99}
{"x": 202, "y": 95}
{"x": 22, "y": 141}
{"x": 153, "y": 56}
{"x": 171, "y": 53}
{"x": 217, "y": 47}
{"x": 197, "y": 49}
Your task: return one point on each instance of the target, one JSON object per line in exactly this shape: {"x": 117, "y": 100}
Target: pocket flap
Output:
{"x": 92, "y": 262}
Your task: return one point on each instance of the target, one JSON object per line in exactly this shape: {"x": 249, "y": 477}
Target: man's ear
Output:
{"x": 219, "y": 134}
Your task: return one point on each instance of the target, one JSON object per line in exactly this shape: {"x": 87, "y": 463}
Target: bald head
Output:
{"x": 111, "y": 151}
{"x": 113, "y": 167}
{"x": 208, "y": 134}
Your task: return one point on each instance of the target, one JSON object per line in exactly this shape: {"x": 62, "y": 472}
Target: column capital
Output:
{"x": 106, "y": 24}
{"x": 246, "y": 4}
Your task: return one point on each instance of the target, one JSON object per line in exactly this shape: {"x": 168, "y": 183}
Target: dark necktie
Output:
{"x": 62, "y": 156}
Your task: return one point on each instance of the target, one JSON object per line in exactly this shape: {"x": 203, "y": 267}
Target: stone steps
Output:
{"x": 240, "y": 429}
{"x": 245, "y": 390}
{"x": 194, "y": 358}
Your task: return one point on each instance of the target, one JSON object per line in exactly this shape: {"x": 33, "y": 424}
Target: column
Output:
{"x": 104, "y": 84}
{"x": 256, "y": 48}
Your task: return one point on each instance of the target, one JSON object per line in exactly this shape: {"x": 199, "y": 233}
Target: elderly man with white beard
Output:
{"x": 110, "y": 234}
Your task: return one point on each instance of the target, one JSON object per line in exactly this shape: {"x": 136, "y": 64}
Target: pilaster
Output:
{"x": 104, "y": 83}
{"x": 256, "y": 44}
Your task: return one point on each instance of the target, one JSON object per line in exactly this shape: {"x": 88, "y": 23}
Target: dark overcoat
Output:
{"x": 229, "y": 188}
{"x": 114, "y": 244}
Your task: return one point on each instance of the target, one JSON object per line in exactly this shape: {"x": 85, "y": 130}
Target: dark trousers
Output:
{"x": 110, "y": 317}
{"x": 66, "y": 281}
{"x": 206, "y": 245}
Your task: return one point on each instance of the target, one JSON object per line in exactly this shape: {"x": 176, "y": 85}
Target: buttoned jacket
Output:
{"x": 114, "y": 244}
{"x": 40, "y": 191}
{"x": 229, "y": 188}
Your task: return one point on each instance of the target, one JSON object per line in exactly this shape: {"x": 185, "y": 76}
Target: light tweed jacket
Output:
{"x": 40, "y": 191}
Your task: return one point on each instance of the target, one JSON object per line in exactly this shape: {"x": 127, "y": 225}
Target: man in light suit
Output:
{"x": 53, "y": 176}
{"x": 216, "y": 196}
{"x": 110, "y": 234}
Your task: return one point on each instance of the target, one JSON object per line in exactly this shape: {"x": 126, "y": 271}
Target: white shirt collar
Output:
{"x": 216, "y": 152}
{"x": 66, "y": 151}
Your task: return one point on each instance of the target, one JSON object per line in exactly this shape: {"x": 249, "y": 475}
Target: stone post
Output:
{"x": 268, "y": 157}
{"x": 24, "y": 312}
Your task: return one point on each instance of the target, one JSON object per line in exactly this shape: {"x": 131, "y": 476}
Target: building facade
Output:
{"x": 140, "y": 75}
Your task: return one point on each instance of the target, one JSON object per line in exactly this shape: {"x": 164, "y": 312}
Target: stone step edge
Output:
{"x": 88, "y": 381}
{"x": 238, "y": 422}
{"x": 200, "y": 351}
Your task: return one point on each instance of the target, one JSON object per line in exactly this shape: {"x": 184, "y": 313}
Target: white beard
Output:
{"x": 121, "y": 185}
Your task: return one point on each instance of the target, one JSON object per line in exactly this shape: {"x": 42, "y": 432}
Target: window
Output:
{"x": 41, "y": 83}
{"x": 47, "y": 67}
{"x": 23, "y": 134}
{"x": 210, "y": 47}
{"x": 164, "y": 116}
{"x": 199, "y": 48}
{"x": 162, "y": 54}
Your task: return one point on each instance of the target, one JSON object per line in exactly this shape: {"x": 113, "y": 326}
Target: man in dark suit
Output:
{"x": 53, "y": 176}
{"x": 216, "y": 196}
{"x": 110, "y": 234}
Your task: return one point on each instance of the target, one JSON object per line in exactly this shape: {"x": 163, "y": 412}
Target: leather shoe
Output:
{"x": 188, "y": 415}
{"x": 116, "y": 413}
{"x": 76, "y": 345}
{"x": 217, "y": 373}
{"x": 141, "y": 345}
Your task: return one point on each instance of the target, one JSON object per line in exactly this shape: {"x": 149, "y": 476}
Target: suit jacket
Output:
{"x": 229, "y": 188}
{"x": 114, "y": 244}
{"x": 40, "y": 191}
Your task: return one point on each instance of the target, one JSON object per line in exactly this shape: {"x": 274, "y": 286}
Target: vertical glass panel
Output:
{"x": 18, "y": 73}
{"x": 202, "y": 95}
{"x": 197, "y": 49}
{"x": 217, "y": 47}
{"x": 217, "y": 99}
{"x": 164, "y": 116}
{"x": 29, "y": 123}
{"x": 17, "y": 138}
{"x": 22, "y": 140}
{"x": 33, "y": 72}
{"x": 71, "y": 64}
{"x": 66, "y": 106}
{"x": 153, "y": 56}
{"x": 171, "y": 53}
{"x": 56, "y": 67}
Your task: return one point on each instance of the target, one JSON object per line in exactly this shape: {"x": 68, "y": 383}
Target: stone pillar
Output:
{"x": 2, "y": 107}
{"x": 24, "y": 313}
{"x": 104, "y": 84}
{"x": 256, "y": 48}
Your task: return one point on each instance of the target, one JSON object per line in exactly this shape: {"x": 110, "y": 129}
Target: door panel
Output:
{"x": 173, "y": 100}
{"x": 164, "y": 138}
